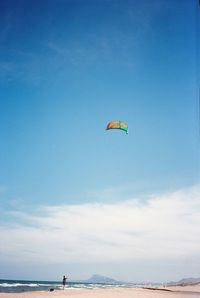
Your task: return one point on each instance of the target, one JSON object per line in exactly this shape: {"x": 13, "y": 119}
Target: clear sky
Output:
{"x": 75, "y": 198}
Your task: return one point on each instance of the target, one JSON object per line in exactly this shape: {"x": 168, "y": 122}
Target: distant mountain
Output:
{"x": 185, "y": 282}
{"x": 101, "y": 279}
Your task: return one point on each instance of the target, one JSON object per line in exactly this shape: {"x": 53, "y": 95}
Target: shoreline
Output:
{"x": 192, "y": 291}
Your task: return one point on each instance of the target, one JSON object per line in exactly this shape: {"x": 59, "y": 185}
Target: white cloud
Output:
{"x": 165, "y": 226}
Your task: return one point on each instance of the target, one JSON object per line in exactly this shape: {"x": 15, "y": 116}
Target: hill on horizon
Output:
{"x": 96, "y": 278}
{"x": 185, "y": 281}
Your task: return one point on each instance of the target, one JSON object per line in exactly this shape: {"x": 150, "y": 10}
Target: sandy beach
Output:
{"x": 176, "y": 292}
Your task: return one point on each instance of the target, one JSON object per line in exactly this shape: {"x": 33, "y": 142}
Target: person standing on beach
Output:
{"x": 64, "y": 281}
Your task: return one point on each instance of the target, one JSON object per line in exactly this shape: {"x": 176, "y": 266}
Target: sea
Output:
{"x": 17, "y": 286}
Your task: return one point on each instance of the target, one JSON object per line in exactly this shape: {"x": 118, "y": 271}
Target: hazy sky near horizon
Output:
{"x": 75, "y": 198}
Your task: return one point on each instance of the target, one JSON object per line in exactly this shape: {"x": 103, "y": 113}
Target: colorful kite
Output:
{"x": 117, "y": 125}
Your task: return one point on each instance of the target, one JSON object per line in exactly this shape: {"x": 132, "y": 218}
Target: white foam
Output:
{"x": 8, "y": 285}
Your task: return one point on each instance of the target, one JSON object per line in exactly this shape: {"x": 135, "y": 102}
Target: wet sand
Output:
{"x": 171, "y": 292}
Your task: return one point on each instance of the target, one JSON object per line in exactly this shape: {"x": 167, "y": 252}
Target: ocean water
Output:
{"x": 17, "y": 286}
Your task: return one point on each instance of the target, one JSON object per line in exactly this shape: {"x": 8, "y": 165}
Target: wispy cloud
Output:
{"x": 165, "y": 226}
{"x": 120, "y": 42}
{"x": 3, "y": 189}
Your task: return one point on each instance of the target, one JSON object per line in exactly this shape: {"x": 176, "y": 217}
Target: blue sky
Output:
{"x": 66, "y": 69}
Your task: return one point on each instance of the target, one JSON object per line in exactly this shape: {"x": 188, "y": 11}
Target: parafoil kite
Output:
{"x": 117, "y": 125}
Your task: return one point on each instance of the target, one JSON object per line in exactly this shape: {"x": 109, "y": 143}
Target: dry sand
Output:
{"x": 169, "y": 292}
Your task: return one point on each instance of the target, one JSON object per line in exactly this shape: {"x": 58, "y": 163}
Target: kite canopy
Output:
{"x": 117, "y": 125}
